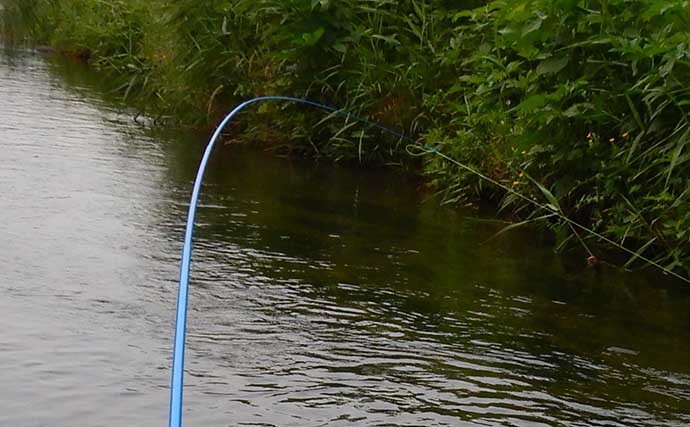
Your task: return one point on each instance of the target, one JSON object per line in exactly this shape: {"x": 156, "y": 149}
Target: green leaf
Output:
{"x": 532, "y": 26}
{"x": 388, "y": 39}
{"x": 457, "y": 87}
{"x": 469, "y": 13}
{"x": 224, "y": 27}
{"x": 532, "y": 103}
{"x": 676, "y": 156}
{"x": 552, "y": 65}
{"x": 553, "y": 201}
{"x": 639, "y": 252}
{"x": 132, "y": 81}
{"x": 518, "y": 224}
{"x": 323, "y": 3}
{"x": 209, "y": 106}
{"x": 310, "y": 39}
{"x": 578, "y": 109}
{"x": 634, "y": 145}
{"x": 636, "y": 113}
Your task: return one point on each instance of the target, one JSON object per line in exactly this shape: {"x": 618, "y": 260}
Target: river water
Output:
{"x": 319, "y": 296}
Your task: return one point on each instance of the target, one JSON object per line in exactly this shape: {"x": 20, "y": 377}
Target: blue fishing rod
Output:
{"x": 175, "y": 418}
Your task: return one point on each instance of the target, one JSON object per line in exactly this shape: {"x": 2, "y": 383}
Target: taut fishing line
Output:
{"x": 425, "y": 150}
{"x": 175, "y": 418}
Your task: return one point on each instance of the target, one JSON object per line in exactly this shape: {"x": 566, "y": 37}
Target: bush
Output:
{"x": 587, "y": 98}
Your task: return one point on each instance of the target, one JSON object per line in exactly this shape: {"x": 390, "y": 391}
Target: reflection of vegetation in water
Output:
{"x": 351, "y": 239}
{"x": 589, "y": 98}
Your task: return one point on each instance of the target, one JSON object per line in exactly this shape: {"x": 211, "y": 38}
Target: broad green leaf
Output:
{"x": 457, "y": 87}
{"x": 532, "y": 26}
{"x": 552, "y": 65}
{"x": 532, "y": 103}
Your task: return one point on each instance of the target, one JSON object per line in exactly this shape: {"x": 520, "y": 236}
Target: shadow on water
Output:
{"x": 330, "y": 296}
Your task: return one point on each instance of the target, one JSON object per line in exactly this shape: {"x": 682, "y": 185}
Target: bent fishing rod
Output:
{"x": 175, "y": 418}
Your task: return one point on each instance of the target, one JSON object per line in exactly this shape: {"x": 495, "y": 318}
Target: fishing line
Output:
{"x": 175, "y": 418}
{"x": 426, "y": 150}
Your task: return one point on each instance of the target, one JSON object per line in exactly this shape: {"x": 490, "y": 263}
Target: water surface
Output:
{"x": 319, "y": 296}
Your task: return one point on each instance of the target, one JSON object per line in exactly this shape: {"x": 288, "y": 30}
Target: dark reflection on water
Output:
{"x": 320, "y": 296}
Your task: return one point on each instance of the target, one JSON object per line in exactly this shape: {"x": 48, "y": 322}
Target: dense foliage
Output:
{"x": 588, "y": 98}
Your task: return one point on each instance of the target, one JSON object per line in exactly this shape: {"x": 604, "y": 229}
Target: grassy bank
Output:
{"x": 589, "y": 99}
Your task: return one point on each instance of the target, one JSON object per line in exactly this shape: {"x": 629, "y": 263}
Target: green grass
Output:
{"x": 589, "y": 99}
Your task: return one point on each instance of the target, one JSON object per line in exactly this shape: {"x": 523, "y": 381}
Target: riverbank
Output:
{"x": 587, "y": 100}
